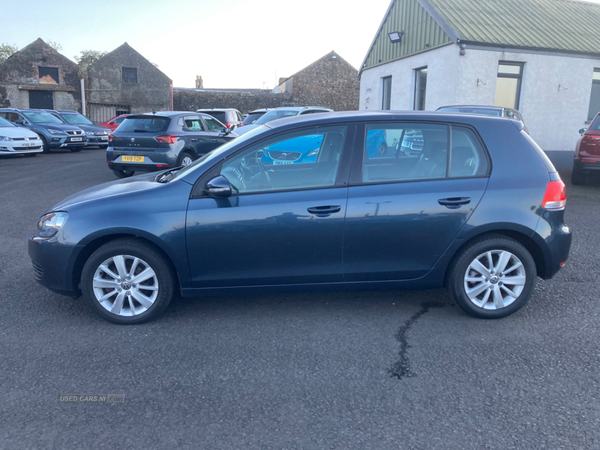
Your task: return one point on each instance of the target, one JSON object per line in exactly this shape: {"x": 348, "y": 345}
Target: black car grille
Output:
{"x": 75, "y": 133}
{"x": 285, "y": 156}
{"x": 28, "y": 148}
{"x": 38, "y": 272}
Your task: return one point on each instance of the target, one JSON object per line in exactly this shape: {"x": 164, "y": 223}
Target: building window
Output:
{"x": 129, "y": 75}
{"x": 595, "y": 97}
{"x": 48, "y": 75}
{"x": 386, "y": 93}
{"x": 420, "y": 89}
{"x": 508, "y": 84}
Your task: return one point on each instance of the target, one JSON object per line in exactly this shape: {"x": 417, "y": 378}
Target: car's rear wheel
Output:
{"x": 75, "y": 149}
{"x": 185, "y": 159}
{"x": 492, "y": 277}
{"x": 577, "y": 177}
{"x": 123, "y": 173}
{"x": 45, "y": 146}
{"x": 127, "y": 282}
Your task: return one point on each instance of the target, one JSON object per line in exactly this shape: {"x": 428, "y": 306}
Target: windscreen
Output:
{"x": 145, "y": 124}
{"x": 274, "y": 115}
{"x": 77, "y": 119}
{"x": 41, "y": 117}
{"x": 5, "y": 123}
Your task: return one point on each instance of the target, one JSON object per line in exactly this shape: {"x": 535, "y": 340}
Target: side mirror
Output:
{"x": 218, "y": 187}
{"x": 111, "y": 123}
{"x": 583, "y": 130}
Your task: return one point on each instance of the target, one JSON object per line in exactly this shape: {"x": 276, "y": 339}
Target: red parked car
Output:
{"x": 114, "y": 122}
{"x": 587, "y": 152}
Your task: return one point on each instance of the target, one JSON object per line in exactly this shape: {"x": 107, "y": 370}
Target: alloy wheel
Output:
{"x": 186, "y": 161}
{"x": 494, "y": 279}
{"x": 125, "y": 285}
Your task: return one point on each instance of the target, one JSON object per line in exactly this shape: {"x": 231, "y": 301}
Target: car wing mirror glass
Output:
{"x": 218, "y": 187}
{"x": 583, "y": 130}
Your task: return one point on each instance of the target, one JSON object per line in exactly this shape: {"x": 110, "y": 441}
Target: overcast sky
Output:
{"x": 230, "y": 43}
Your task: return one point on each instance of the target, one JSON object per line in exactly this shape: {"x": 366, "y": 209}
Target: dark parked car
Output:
{"x": 54, "y": 133}
{"x": 283, "y": 112}
{"x": 97, "y": 136}
{"x": 587, "y": 152}
{"x": 253, "y": 116}
{"x": 231, "y": 118}
{"x": 497, "y": 111}
{"x": 156, "y": 141}
{"x": 465, "y": 215}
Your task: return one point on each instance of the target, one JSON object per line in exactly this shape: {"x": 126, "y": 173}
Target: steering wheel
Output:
{"x": 265, "y": 174}
{"x": 235, "y": 177}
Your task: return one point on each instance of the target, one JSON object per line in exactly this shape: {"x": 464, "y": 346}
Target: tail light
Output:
{"x": 589, "y": 138}
{"x": 110, "y": 138}
{"x": 167, "y": 139}
{"x": 555, "y": 197}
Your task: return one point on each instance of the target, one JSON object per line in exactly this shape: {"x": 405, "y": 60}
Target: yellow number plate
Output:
{"x": 132, "y": 158}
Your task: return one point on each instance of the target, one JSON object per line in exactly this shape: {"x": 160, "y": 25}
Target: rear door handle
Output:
{"x": 454, "y": 202}
{"x": 324, "y": 211}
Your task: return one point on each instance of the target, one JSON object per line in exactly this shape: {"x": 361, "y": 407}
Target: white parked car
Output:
{"x": 18, "y": 140}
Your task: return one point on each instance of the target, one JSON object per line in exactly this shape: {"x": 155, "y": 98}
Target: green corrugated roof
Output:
{"x": 563, "y": 25}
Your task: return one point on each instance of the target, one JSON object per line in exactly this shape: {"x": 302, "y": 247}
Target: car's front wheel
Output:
{"x": 492, "y": 277}
{"x": 123, "y": 173}
{"x": 127, "y": 282}
{"x": 75, "y": 149}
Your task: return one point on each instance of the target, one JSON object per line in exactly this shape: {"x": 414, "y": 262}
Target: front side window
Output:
{"x": 214, "y": 125}
{"x": 386, "y": 93}
{"x": 595, "y": 96}
{"x": 298, "y": 160}
{"x": 129, "y": 75}
{"x": 396, "y": 152}
{"x": 420, "y": 89}
{"x": 508, "y": 84}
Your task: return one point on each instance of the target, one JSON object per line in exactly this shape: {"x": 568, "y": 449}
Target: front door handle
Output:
{"x": 454, "y": 202}
{"x": 324, "y": 211}
{"x": 194, "y": 139}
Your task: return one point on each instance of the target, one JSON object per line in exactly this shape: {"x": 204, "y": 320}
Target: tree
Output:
{"x": 88, "y": 57}
{"x": 7, "y": 50}
{"x": 55, "y": 45}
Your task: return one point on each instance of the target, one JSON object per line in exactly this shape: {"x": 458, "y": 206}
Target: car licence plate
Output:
{"x": 281, "y": 163}
{"x": 132, "y": 158}
{"x": 104, "y": 138}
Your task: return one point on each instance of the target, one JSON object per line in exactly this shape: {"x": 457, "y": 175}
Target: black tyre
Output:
{"x": 577, "y": 177}
{"x": 492, "y": 277}
{"x": 75, "y": 149}
{"x": 123, "y": 173}
{"x": 45, "y": 146}
{"x": 30, "y": 155}
{"x": 185, "y": 159}
{"x": 127, "y": 282}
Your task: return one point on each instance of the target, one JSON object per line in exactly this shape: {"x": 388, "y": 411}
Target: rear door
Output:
{"x": 405, "y": 210}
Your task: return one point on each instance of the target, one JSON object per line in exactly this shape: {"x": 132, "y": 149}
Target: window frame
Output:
{"x": 594, "y": 82}
{"x": 46, "y": 68}
{"x": 356, "y": 170}
{"x": 123, "y": 75}
{"x": 386, "y": 93}
{"x": 518, "y": 77}
{"x": 341, "y": 180}
{"x": 415, "y": 77}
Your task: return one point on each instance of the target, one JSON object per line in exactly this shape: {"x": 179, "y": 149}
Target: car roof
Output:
{"x": 363, "y": 116}
{"x": 216, "y": 109}
{"x": 301, "y": 108}
{"x": 262, "y": 110}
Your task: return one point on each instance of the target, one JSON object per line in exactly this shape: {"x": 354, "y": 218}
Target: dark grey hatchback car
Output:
{"x": 157, "y": 141}
{"x": 479, "y": 211}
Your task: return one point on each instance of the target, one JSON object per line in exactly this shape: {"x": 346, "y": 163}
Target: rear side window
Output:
{"x": 413, "y": 151}
{"x": 145, "y": 124}
{"x": 192, "y": 123}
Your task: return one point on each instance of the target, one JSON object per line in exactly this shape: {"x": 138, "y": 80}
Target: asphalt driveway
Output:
{"x": 310, "y": 371}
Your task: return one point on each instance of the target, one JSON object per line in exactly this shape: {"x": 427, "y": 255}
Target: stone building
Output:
{"x": 244, "y": 100}
{"x": 541, "y": 57}
{"x": 330, "y": 82}
{"x": 122, "y": 82}
{"x": 39, "y": 77}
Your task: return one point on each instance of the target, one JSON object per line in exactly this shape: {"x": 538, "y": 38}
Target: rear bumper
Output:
{"x": 588, "y": 165}
{"x": 153, "y": 161}
{"x": 556, "y": 244}
{"x": 53, "y": 265}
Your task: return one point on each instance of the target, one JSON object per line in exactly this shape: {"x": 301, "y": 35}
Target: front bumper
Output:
{"x": 21, "y": 147}
{"x": 53, "y": 265}
{"x": 66, "y": 141}
{"x": 101, "y": 140}
{"x": 589, "y": 164}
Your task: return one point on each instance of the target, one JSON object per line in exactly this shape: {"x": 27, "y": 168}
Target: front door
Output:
{"x": 284, "y": 222}
{"x": 41, "y": 100}
{"x": 405, "y": 207}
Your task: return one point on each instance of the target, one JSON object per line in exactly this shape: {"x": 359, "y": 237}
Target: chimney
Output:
{"x": 199, "y": 82}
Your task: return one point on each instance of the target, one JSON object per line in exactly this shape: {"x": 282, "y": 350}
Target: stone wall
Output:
{"x": 192, "y": 100}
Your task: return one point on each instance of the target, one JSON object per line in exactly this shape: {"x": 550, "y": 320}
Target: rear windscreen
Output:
{"x": 219, "y": 115}
{"x": 595, "y": 124}
{"x": 252, "y": 118}
{"x": 146, "y": 124}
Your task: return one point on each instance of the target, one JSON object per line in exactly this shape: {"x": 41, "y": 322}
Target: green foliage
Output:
{"x": 7, "y": 50}
{"x": 55, "y": 45}
{"x": 88, "y": 57}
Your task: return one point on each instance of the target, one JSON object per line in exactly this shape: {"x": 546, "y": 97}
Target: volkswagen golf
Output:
{"x": 479, "y": 210}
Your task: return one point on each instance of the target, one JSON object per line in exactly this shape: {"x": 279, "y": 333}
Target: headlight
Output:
{"x": 55, "y": 131}
{"x": 51, "y": 223}
{"x": 5, "y": 138}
